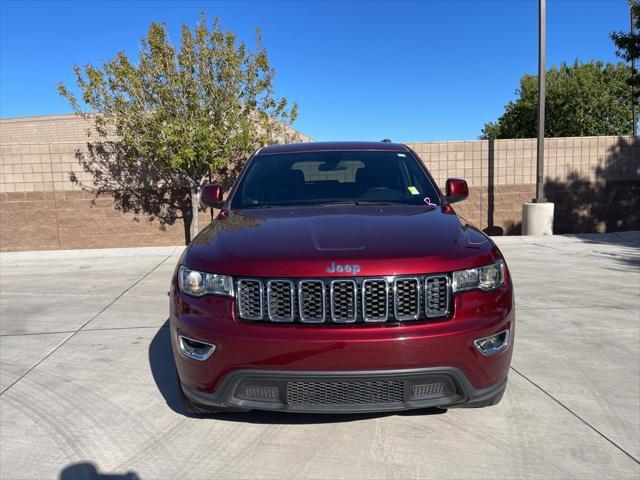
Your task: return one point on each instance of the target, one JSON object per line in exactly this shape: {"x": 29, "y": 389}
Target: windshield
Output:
{"x": 326, "y": 178}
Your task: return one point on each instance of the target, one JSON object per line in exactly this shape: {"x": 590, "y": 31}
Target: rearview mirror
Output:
{"x": 211, "y": 195}
{"x": 457, "y": 190}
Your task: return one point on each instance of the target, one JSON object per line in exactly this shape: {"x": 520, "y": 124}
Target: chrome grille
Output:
{"x": 406, "y": 298}
{"x": 374, "y": 392}
{"x": 436, "y": 292}
{"x": 375, "y": 300}
{"x": 344, "y": 300}
{"x": 311, "y": 301}
{"x": 250, "y": 299}
{"x": 280, "y": 300}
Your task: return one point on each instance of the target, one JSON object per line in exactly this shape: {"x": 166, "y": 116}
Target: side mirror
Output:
{"x": 457, "y": 190}
{"x": 211, "y": 195}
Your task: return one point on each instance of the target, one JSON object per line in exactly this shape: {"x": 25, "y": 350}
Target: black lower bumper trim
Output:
{"x": 347, "y": 392}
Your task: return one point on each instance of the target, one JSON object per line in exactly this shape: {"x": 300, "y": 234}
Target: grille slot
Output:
{"x": 436, "y": 296}
{"x": 406, "y": 298}
{"x": 375, "y": 300}
{"x": 250, "y": 303}
{"x": 280, "y": 304}
{"x": 344, "y": 301}
{"x": 311, "y": 301}
{"x": 373, "y": 392}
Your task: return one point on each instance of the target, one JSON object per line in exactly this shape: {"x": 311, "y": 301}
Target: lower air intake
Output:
{"x": 261, "y": 392}
{"x": 429, "y": 390}
{"x": 345, "y": 393}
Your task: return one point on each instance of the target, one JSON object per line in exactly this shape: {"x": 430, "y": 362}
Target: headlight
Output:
{"x": 484, "y": 278}
{"x": 198, "y": 284}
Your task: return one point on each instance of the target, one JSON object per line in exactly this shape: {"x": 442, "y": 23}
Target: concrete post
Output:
{"x": 537, "y": 218}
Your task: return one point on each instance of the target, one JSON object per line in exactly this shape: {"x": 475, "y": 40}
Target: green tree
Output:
{"x": 175, "y": 119}
{"x": 628, "y": 44}
{"x": 582, "y": 99}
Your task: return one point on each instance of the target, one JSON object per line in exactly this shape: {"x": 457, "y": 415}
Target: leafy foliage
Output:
{"x": 628, "y": 45}
{"x": 176, "y": 118}
{"x": 582, "y": 99}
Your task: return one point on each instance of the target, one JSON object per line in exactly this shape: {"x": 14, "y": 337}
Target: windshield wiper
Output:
{"x": 383, "y": 202}
{"x": 256, "y": 207}
{"x": 336, "y": 202}
{"x": 332, "y": 203}
{"x": 362, "y": 203}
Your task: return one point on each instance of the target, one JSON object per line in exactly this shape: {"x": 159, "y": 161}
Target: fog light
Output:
{"x": 494, "y": 344}
{"x": 195, "y": 349}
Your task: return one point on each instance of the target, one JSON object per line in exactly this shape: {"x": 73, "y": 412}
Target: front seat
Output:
{"x": 292, "y": 182}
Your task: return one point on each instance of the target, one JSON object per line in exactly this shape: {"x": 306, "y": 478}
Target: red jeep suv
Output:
{"x": 338, "y": 278}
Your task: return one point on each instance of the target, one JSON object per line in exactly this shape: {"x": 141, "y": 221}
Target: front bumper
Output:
{"x": 274, "y": 355}
{"x": 347, "y": 392}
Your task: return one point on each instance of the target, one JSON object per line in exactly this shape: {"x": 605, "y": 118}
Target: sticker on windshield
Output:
{"x": 401, "y": 155}
{"x": 413, "y": 190}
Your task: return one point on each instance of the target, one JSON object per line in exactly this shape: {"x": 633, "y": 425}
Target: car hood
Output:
{"x": 323, "y": 241}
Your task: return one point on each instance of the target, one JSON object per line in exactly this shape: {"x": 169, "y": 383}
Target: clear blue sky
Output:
{"x": 423, "y": 70}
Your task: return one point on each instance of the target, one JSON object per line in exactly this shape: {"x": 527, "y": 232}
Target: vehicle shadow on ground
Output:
{"x": 163, "y": 369}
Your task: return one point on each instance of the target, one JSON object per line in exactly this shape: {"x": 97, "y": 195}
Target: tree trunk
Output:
{"x": 195, "y": 202}
{"x": 186, "y": 223}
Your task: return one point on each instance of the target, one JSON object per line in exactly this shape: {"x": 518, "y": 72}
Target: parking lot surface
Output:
{"x": 88, "y": 386}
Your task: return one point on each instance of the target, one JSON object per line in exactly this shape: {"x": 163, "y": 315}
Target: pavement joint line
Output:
{"x": 107, "y": 329}
{"x": 84, "y": 330}
{"x": 124, "y": 292}
{"x": 84, "y": 253}
{"x": 88, "y": 321}
{"x": 616, "y": 306}
{"x": 625, "y": 243}
{"x": 62, "y": 294}
{"x": 28, "y": 334}
{"x": 100, "y": 329}
{"x": 544, "y": 246}
{"x": 576, "y": 415}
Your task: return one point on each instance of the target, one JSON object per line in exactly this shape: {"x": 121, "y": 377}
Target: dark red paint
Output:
{"x": 302, "y": 242}
{"x": 457, "y": 190}
{"x": 211, "y": 195}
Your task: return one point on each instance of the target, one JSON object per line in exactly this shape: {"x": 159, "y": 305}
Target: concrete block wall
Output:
{"x": 43, "y": 130}
{"x": 70, "y": 220}
{"x": 580, "y": 173}
{"x": 593, "y": 180}
{"x": 41, "y": 167}
{"x": 41, "y": 209}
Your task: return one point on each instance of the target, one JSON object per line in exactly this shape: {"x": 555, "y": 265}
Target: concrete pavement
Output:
{"x": 88, "y": 387}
